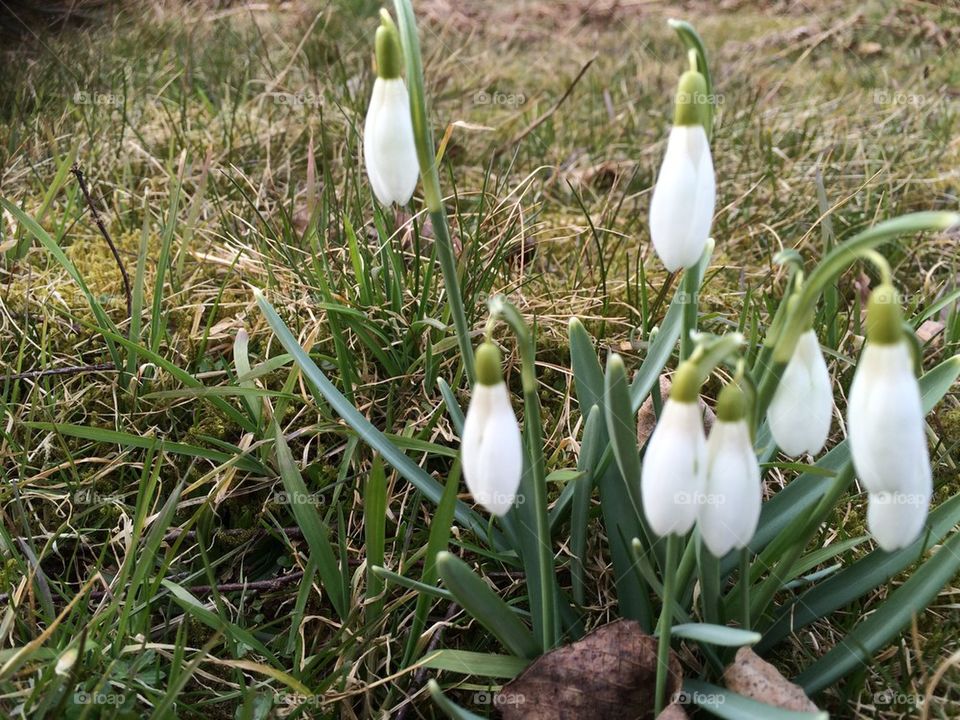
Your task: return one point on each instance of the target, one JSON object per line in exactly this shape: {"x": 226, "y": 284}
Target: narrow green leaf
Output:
{"x": 371, "y": 435}
{"x": 476, "y": 597}
{"x": 452, "y": 710}
{"x": 727, "y": 704}
{"x": 315, "y": 531}
{"x": 465, "y": 662}
{"x": 720, "y": 635}
{"x": 856, "y": 648}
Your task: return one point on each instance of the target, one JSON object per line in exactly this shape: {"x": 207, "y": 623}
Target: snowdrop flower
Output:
{"x": 674, "y": 467}
{"x": 886, "y": 426}
{"x": 491, "y": 448}
{"x": 681, "y": 210}
{"x": 388, "y": 146}
{"x": 800, "y": 412}
{"x": 730, "y": 510}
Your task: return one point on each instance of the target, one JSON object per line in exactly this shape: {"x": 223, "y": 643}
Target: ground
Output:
{"x": 222, "y": 146}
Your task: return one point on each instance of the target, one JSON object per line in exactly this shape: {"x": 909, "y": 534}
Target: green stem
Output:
{"x": 692, "y": 40}
{"x": 666, "y": 622}
{"x": 691, "y": 296}
{"x": 836, "y": 262}
{"x": 538, "y": 556}
{"x": 745, "y": 585}
{"x": 426, "y": 158}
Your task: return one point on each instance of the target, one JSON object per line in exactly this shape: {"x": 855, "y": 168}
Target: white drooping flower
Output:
{"x": 681, "y": 210}
{"x": 802, "y": 406}
{"x": 730, "y": 508}
{"x": 674, "y": 466}
{"x": 389, "y": 151}
{"x": 492, "y": 448}
{"x": 886, "y": 427}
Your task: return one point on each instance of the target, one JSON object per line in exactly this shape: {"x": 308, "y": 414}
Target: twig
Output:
{"x": 78, "y": 173}
{"x": 548, "y": 114}
{"x": 69, "y": 370}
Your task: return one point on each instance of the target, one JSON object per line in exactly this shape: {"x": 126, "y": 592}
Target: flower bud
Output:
{"x": 389, "y": 152}
{"x": 802, "y": 406}
{"x": 886, "y": 427}
{"x": 674, "y": 466}
{"x": 730, "y": 510}
{"x": 491, "y": 448}
{"x": 681, "y": 210}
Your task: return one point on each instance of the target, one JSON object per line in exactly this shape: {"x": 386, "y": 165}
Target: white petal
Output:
{"x": 492, "y": 449}
{"x": 681, "y": 210}
{"x": 674, "y": 469}
{"x": 897, "y": 519}
{"x": 730, "y": 509}
{"x": 389, "y": 151}
{"x": 885, "y": 420}
{"x": 801, "y": 409}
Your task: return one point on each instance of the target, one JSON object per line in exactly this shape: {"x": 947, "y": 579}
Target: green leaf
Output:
{"x": 587, "y": 373}
{"x": 371, "y": 435}
{"x": 716, "y": 634}
{"x": 621, "y": 426}
{"x": 860, "y": 578}
{"x": 452, "y": 710}
{"x": 476, "y": 597}
{"x": 727, "y": 704}
{"x": 662, "y": 347}
{"x": 315, "y": 531}
{"x": 420, "y": 587}
{"x": 33, "y": 227}
{"x": 856, "y": 648}
{"x": 114, "y": 437}
{"x": 375, "y": 530}
{"x": 475, "y": 663}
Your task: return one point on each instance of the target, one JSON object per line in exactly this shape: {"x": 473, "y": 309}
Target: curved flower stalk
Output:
{"x": 730, "y": 510}
{"x": 674, "y": 468}
{"x": 492, "y": 448}
{"x": 681, "y": 210}
{"x": 887, "y": 433}
{"x": 800, "y": 412}
{"x": 389, "y": 152}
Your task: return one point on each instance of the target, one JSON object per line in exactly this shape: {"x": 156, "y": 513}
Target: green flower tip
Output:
{"x": 732, "y": 404}
{"x": 488, "y": 364}
{"x": 389, "y": 51}
{"x": 686, "y": 383}
{"x": 884, "y": 316}
{"x": 692, "y": 100}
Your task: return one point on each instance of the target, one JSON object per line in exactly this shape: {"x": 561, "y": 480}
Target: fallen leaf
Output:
{"x": 673, "y": 711}
{"x": 930, "y": 330}
{"x": 610, "y": 673}
{"x": 755, "y": 678}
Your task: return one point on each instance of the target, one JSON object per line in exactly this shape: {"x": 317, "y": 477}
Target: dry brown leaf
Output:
{"x": 673, "y": 711}
{"x": 930, "y": 330}
{"x": 611, "y": 673}
{"x": 755, "y": 678}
